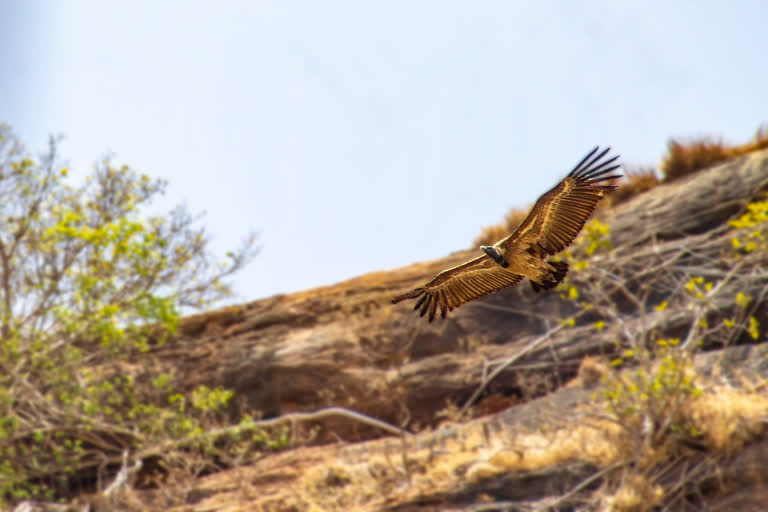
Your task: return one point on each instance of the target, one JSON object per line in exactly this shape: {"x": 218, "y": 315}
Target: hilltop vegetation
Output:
{"x": 683, "y": 158}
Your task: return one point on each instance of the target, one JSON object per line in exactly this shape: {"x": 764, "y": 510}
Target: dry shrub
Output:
{"x": 729, "y": 418}
{"x": 492, "y": 234}
{"x": 592, "y": 371}
{"x": 684, "y": 158}
{"x": 514, "y": 217}
{"x": 597, "y": 441}
{"x": 635, "y": 494}
{"x": 341, "y": 486}
{"x": 635, "y": 183}
{"x": 726, "y": 418}
{"x": 758, "y": 142}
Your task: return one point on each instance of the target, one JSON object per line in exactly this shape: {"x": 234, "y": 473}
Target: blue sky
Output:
{"x": 359, "y": 136}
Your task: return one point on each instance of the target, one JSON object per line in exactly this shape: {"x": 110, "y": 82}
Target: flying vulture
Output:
{"x": 552, "y": 224}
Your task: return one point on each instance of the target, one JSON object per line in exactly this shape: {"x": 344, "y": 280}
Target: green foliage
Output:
{"x": 87, "y": 283}
{"x": 650, "y": 399}
{"x": 595, "y": 238}
{"x": 754, "y": 328}
{"x": 752, "y": 225}
{"x": 698, "y": 288}
{"x": 652, "y": 394}
{"x": 206, "y": 399}
{"x": 696, "y": 291}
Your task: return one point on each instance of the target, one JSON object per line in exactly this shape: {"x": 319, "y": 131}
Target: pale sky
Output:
{"x": 357, "y": 135}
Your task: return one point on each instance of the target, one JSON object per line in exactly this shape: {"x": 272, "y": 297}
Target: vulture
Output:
{"x": 551, "y": 225}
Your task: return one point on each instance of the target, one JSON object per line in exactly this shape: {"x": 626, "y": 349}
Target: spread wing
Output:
{"x": 558, "y": 216}
{"x": 453, "y": 287}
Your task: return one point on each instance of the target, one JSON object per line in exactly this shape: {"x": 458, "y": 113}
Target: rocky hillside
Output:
{"x": 518, "y": 401}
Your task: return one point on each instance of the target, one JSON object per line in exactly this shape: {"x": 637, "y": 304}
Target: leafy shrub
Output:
{"x": 594, "y": 238}
{"x": 650, "y": 400}
{"x": 752, "y": 224}
{"x": 663, "y": 409}
{"x": 86, "y": 282}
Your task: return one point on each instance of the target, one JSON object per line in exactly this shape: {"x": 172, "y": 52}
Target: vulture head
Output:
{"x": 494, "y": 254}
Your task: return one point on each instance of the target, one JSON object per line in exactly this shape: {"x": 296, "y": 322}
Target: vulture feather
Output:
{"x": 551, "y": 225}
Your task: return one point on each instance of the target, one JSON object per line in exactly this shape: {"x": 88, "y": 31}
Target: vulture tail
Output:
{"x": 552, "y": 280}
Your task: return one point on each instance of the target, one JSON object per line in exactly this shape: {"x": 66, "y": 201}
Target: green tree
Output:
{"x": 87, "y": 278}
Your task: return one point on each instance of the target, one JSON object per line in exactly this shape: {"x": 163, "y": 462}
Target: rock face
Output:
{"x": 346, "y": 346}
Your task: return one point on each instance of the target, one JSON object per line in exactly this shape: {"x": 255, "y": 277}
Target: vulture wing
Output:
{"x": 558, "y": 216}
{"x": 553, "y": 223}
{"x": 453, "y": 287}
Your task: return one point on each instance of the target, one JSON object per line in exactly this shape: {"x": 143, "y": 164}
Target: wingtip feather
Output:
{"x": 408, "y": 295}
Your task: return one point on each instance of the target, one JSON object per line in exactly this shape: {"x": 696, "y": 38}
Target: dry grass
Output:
{"x": 635, "y": 182}
{"x": 367, "y": 484}
{"x": 600, "y": 442}
{"x": 475, "y": 457}
{"x": 687, "y": 157}
{"x": 492, "y": 234}
{"x": 729, "y": 418}
{"x": 340, "y": 486}
{"x": 592, "y": 371}
{"x": 407, "y": 470}
{"x": 635, "y": 494}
